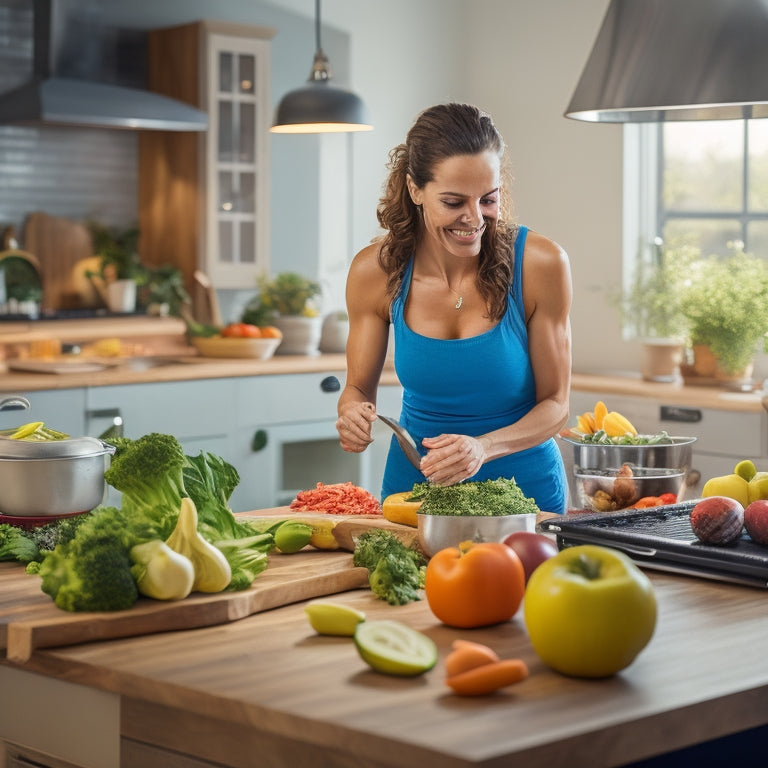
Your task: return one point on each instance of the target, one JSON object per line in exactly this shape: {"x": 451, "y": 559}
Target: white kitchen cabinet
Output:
{"x": 285, "y": 439}
{"x": 723, "y": 437}
{"x": 204, "y": 198}
{"x": 61, "y": 409}
{"x": 199, "y": 413}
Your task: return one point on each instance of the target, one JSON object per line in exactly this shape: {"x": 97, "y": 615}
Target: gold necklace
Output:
{"x": 459, "y": 297}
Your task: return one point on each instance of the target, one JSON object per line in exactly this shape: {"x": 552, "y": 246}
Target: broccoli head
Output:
{"x": 98, "y": 579}
{"x": 92, "y": 571}
{"x": 148, "y": 471}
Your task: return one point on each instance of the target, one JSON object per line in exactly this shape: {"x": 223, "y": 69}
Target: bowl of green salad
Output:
{"x": 479, "y": 511}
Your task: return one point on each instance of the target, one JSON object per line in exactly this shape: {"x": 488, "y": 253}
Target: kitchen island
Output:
{"x": 266, "y": 690}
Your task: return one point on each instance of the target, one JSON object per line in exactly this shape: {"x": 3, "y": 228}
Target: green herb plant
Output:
{"x": 724, "y": 302}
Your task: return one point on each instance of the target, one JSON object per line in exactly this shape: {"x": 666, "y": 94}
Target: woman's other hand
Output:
{"x": 354, "y": 426}
{"x": 452, "y": 458}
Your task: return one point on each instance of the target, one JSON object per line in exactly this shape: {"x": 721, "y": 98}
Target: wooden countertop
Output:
{"x": 268, "y": 685}
{"x": 676, "y": 393}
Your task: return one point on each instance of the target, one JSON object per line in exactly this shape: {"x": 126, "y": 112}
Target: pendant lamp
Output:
{"x": 320, "y": 107}
{"x": 658, "y": 60}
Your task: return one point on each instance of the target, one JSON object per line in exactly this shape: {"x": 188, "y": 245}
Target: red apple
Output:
{"x": 756, "y": 521}
{"x": 717, "y": 520}
{"x": 532, "y": 549}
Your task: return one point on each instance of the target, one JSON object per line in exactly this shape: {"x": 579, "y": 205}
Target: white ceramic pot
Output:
{"x": 301, "y": 335}
{"x": 121, "y": 296}
{"x": 334, "y": 334}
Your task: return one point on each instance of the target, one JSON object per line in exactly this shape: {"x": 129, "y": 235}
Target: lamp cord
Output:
{"x": 318, "y": 45}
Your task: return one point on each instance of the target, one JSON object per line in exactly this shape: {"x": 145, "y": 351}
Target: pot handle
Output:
{"x": 110, "y": 449}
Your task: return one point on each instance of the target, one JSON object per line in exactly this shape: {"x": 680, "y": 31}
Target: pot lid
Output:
{"x": 53, "y": 449}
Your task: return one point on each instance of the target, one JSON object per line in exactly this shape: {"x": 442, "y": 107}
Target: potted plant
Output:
{"x": 287, "y": 301}
{"x": 120, "y": 270}
{"x": 163, "y": 292}
{"x": 724, "y": 302}
{"x": 651, "y": 308}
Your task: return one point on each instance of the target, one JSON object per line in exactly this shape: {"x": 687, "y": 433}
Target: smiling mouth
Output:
{"x": 467, "y": 232}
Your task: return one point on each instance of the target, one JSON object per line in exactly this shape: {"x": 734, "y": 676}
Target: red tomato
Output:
{"x": 474, "y": 585}
{"x": 532, "y": 549}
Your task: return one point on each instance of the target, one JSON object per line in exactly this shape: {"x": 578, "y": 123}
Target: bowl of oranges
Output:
{"x": 240, "y": 340}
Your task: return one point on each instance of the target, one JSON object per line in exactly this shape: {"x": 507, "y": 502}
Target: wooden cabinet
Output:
{"x": 204, "y": 197}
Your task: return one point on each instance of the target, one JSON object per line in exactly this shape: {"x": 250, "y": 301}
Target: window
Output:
{"x": 702, "y": 181}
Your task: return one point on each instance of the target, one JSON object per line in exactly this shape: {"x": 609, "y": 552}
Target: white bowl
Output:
{"x": 438, "y": 532}
{"x": 220, "y": 346}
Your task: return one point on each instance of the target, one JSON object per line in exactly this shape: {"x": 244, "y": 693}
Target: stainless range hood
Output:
{"x": 52, "y": 98}
{"x": 669, "y": 60}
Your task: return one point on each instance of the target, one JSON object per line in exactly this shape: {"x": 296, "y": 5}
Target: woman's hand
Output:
{"x": 354, "y": 425}
{"x": 452, "y": 458}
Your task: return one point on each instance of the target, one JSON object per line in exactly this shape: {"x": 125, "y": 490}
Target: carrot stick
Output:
{"x": 468, "y": 655}
{"x": 488, "y": 678}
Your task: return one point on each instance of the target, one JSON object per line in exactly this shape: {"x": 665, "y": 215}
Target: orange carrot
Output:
{"x": 488, "y": 678}
{"x": 467, "y": 655}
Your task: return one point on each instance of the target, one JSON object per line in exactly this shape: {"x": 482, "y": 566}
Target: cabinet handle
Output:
{"x": 259, "y": 440}
{"x": 677, "y": 413}
{"x": 330, "y": 384}
{"x": 116, "y": 428}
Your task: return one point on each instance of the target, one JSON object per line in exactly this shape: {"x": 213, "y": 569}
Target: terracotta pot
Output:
{"x": 705, "y": 369}
{"x": 661, "y": 359}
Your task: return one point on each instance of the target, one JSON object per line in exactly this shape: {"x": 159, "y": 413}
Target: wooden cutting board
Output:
{"x": 64, "y": 249}
{"x": 29, "y": 619}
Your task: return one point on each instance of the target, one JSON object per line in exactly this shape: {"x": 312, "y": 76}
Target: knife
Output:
{"x": 407, "y": 443}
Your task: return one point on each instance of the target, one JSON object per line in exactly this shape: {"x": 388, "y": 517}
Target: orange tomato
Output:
{"x": 270, "y": 332}
{"x": 241, "y": 331}
{"x": 475, "y": 585}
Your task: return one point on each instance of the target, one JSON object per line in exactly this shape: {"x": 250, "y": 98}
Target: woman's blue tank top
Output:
{"x": 472, "y": 386}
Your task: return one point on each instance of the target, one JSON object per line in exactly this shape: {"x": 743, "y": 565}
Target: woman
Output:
{"x": 480, "y": 310}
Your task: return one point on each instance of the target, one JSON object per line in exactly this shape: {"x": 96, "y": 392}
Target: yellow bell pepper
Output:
{"x": 616, "y": 425}
{"x": 732, "y": 486}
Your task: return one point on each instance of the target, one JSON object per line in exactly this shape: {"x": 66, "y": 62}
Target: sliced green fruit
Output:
{"x": 329, "y": 618}
{"x": 292, "y": 536}
{"x": 745, "y": 469}
{"x": 25, "y": 430}
{"x": 394, "y": 648}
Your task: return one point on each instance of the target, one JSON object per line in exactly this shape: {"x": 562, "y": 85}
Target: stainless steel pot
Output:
{"x": 55, "y": 477}
{"x": 597, "y": 480}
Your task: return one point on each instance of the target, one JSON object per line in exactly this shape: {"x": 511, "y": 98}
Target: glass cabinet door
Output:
{"x": 237, "y": 241}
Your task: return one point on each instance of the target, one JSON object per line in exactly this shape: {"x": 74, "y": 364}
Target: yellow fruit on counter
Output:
{"x": 758, "y": 486}
{"x": 732, "y": 486}
{"x": 397, "y": 509}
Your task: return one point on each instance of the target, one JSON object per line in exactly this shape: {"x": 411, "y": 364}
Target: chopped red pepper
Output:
{"x": 668, "y": 498}
{"x": 646, "y": 502}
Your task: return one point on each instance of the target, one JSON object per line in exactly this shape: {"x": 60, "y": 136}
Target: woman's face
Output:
{"x": 459, "y": 202}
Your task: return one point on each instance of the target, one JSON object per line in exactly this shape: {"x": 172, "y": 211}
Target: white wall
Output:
{"x": 520, "y": 61}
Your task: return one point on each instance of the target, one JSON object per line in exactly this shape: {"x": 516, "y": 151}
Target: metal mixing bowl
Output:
{"x": 54, "y": 477}
{"x": 596, "y": 481}
{"x": 438, "y": 532}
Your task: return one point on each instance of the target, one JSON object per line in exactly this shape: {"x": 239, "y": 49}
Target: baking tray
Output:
{"x": 661, "y": 537}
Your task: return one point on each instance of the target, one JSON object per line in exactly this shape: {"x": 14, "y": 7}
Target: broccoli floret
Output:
{"x": 58, "y": 532}
{"x": 396, "y": 580}
{"x": 16, "y": 545}
{"x": 148, "y": 472}
{"x": 92, "y": 572}
{"x": 395, "y": 571}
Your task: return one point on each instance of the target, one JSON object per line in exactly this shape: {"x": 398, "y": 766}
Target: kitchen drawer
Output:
{"x": 264, "y": 400}
{"x": 740, "y": 435}
{"x": 189, "y": 410}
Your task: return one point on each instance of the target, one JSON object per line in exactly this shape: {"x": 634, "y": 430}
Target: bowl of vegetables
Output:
{"x": 612, "y": 473}
{"x": 234, "y": 347}
{"x": 480, "y": 511}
